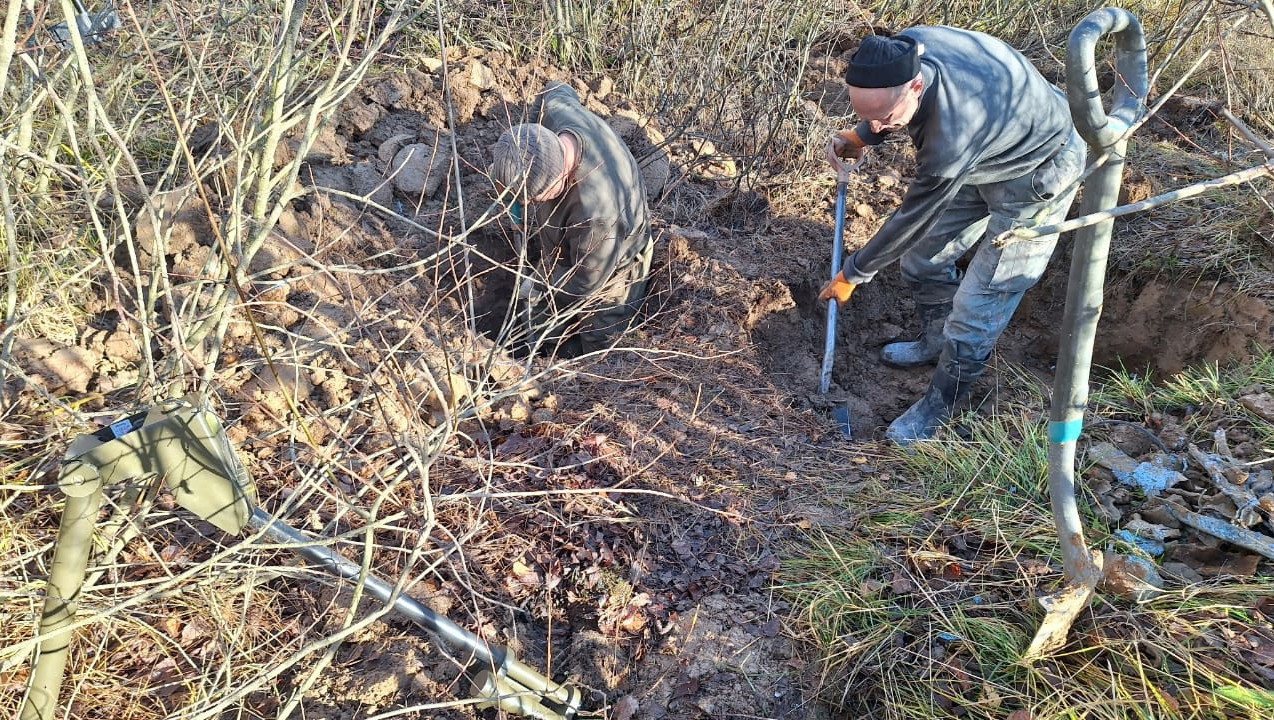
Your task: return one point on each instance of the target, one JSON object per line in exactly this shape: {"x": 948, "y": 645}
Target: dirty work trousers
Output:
{"x": 592, "y": 323}
{"x": 985, "y": 298}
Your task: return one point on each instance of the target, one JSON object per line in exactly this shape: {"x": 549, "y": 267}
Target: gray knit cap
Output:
{"x": 529, "y": 153}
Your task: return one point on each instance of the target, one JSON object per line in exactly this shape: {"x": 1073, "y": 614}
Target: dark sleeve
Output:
{"x": 864, "y": 132}
{"x": 924, "y": 202}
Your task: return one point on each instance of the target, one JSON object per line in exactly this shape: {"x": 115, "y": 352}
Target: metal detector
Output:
{"x": 91, "y": 25}
{"x": 185, "y": 446}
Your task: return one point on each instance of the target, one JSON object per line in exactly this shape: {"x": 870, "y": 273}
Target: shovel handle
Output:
{"x": 829, "y": 343}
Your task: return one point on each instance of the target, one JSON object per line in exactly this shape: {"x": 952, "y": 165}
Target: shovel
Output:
{"x": 840, "y": 413}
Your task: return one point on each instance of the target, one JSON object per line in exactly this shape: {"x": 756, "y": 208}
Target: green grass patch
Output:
{"x": 1200, "y": 395}
{"x": 922, "y": 606}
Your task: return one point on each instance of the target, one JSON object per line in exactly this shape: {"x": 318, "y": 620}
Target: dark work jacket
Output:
{"x": 986, "y": 115}
{"x": 601, "y": 223}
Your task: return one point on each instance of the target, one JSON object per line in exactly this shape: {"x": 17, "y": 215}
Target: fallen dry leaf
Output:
{"x": 625, "y": 709}
{"x": 1213, "y": 562}
{"x": 687, "y": 688}
{"x": 172, "y": 626}
{"x": 632, "y": 620}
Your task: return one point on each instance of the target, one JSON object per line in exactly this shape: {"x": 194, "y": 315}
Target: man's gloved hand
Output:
{"x": 842, "y": 286}
{"x": 839, "y": 288}
{"x": 844, "y": 145}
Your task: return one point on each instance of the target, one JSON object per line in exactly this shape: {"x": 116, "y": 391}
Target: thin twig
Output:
{"x": 1247, "y": 133}
{"x": 1030, "y": 233}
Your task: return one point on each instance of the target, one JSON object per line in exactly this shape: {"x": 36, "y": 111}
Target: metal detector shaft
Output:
{"x": 829, "y": 344}
{"x": 1105, "y": 134}
{"x": 506, "y": 682}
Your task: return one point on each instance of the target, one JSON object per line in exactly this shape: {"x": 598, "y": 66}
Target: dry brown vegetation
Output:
{"x": 216, "y": 199}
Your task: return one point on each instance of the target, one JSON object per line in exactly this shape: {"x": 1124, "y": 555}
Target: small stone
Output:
{"x": 889, "y": 178}
{"x": 864, "y": 210}
{"x": 520, "y": 411}
{"x": 419, "y": 168}
{"x": 480, "y": 76}
{"x": 390, "y": 147}
{"x": 1131, "y": 577}
{"x": 1259, "y": 404}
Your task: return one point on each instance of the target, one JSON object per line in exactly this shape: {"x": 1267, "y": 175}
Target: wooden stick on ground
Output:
{"x": 1244, "y": 499}
{"x": 1255, "y": 542}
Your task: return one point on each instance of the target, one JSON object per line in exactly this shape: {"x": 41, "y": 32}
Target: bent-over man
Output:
{"x": 577, "y": 188}
{"x": 995, "y": 148}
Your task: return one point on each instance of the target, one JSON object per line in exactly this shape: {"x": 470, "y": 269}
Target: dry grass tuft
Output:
{"x": 1227, "y": 233}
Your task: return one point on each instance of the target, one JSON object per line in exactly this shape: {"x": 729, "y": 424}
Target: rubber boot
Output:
{"x": 923, "y": 419}
{"x": 925, "y": 349}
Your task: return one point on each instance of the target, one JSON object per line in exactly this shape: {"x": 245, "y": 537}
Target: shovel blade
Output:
{"x": 840, "y": 414}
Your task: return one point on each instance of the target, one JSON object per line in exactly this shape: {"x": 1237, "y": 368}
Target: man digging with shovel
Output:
{"x": 995, "y": 147}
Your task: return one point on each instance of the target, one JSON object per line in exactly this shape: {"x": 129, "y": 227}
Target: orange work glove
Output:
{"x": 839, "y": 288}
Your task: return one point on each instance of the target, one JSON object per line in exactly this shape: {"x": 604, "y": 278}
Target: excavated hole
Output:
{"x": 1148, "y": 325}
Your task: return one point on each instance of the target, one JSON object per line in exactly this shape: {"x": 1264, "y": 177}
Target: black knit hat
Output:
{"x": 882, "y": 62}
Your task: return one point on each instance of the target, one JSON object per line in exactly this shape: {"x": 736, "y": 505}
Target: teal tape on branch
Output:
{"x": 1064, "y": 432}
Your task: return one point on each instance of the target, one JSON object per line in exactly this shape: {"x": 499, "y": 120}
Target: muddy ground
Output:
{"x": 699, "y": 451}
